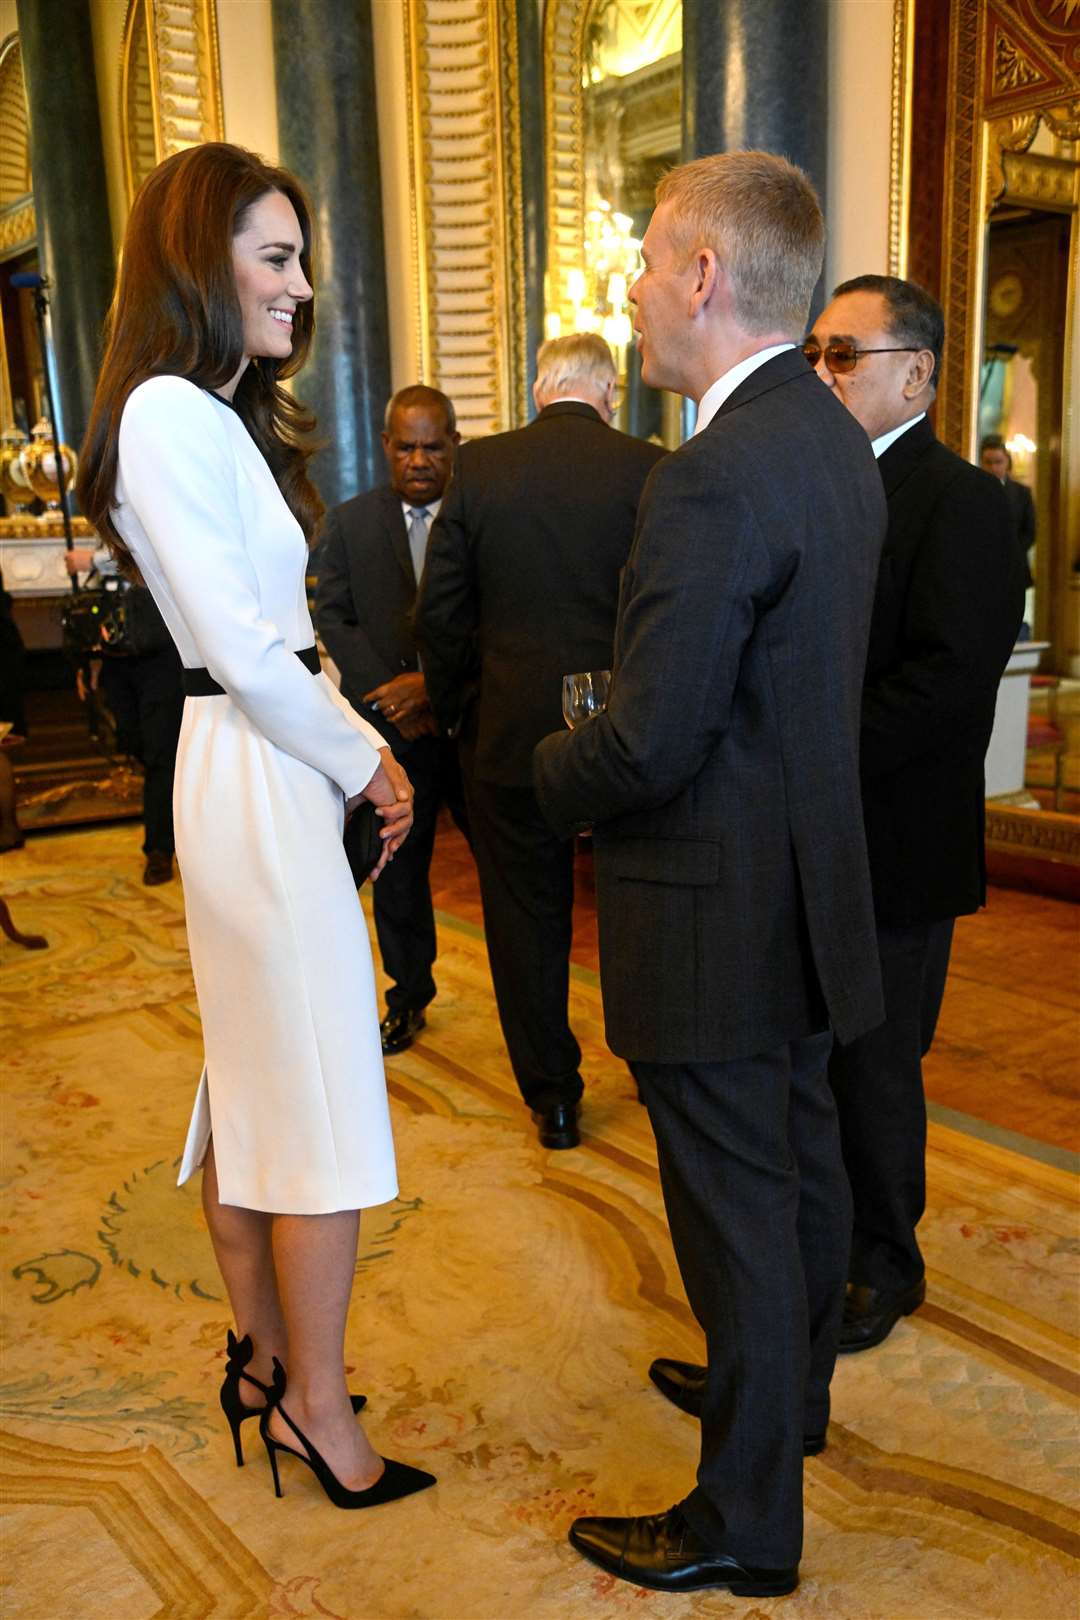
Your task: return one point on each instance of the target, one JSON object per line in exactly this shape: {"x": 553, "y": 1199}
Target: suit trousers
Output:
{"x": 147, "y": 703}
{"x": 878, "y": 1085}
{"x": 527, "y": 889}
{"x": 401, "y": 898}
{"x": 760, "y": 1212}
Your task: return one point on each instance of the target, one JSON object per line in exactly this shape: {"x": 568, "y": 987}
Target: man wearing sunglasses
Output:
{"x": 947, "y": 611}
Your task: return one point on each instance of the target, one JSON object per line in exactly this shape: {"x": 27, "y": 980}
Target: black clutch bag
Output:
{"x": 363, "y": 846}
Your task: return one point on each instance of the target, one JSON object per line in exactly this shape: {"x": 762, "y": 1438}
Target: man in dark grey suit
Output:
{"x": 520, "y": 590}
{"x": 369, "y": 558}
{"x": 736, "y": 920}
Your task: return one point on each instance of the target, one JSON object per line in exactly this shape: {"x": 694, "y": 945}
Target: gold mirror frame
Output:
{"x": 1004, "y": 78}
{"x": 170, "y": 82}
{"x": 18, "y": 222}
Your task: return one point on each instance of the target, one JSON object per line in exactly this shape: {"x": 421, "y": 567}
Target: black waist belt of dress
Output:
{"x": 200, "y": 682}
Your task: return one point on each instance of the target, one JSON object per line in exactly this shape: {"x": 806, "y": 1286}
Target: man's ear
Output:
{"x": 920, "y": 371}
{"x": 707, "y": 280}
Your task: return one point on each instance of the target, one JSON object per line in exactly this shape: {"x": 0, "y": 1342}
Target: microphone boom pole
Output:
{"x": 37, "y": 284}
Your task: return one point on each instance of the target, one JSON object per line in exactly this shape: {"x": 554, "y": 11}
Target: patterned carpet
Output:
{"x": 506, "y": 1309}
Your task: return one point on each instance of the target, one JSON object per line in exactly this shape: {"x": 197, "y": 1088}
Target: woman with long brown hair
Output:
{"x": 194, "y": 471}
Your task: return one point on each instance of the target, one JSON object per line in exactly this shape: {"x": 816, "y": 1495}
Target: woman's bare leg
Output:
{"x": 242, "y": 1240}
{"x": 315, "y": 1258}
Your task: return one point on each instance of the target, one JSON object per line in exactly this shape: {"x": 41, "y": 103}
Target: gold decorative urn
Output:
{"x": 38, "y": 462}
{"x": 14, "y": 483}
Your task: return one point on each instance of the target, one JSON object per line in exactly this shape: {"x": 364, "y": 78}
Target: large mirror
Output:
{"x": 618, "y": 98}
{"x": 1025, "y": 383}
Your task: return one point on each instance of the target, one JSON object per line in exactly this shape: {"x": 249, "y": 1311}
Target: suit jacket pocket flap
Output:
{"x": 660, "y": 860}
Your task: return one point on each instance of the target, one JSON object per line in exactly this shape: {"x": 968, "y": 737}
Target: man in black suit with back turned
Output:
{"x": 736, "y": 919}
{"x": 369, "y": 558}
{"x": 520, "y": 590}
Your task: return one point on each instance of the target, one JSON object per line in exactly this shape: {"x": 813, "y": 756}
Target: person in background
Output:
{"x": 368, "y": 562}
{"x": 948, "y": 606}
{"x": 520, "y": 589}
{"x": 994, "y": 458}
{"x": 142, "y": 688}
{"x": 12, "y": 719}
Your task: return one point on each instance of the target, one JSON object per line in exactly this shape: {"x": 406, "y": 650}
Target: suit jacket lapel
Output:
{"x": 394, "y": 519}
{"x": 782, "y": 368}
{"x": 903, "y": 455}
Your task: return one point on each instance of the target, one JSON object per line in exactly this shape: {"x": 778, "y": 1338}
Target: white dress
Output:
{"x": 293, "y": 1085}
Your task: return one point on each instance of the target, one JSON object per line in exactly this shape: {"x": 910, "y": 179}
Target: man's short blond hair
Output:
{"x": 762, "y": 219}
{"x": 580, "y": 360}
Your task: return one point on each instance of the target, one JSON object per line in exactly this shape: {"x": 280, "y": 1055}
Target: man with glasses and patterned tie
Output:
{"x": 368, "y": 563}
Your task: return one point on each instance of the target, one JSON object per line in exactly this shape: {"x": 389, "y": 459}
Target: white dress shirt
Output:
{"x": 431, "y": 507}
{"x": 723, "y": 387}
{"x": 883, "y": 441}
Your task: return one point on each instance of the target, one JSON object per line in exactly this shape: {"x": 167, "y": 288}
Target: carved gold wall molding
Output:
{"x": 1011, "y": 63}
{"x": 14, "y": 126}
{"x": 464, "y": 123}
{"x": 564, "y": 128}
{"x": 18, "y": 229}
{"x": 170, "y": 82}
{"x": 900, "y": 135}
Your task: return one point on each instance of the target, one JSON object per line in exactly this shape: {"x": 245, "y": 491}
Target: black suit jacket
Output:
{"x": 733, "y": 890}
{"x": 521, "y": 580}
{"x": 364, "y": 595}
{"x": 1022, "y": 507}
{"x": 949, "y": 601}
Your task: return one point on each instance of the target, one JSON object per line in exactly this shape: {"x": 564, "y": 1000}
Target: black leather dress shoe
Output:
{"x": 662, "y": 1551}
{"x": 683, "y": 1382}
{"x": 558, "y": 1125}
{"x": 870, "y": 1315}
{"x": 399, "y": 1030}
{"x": 159, "y": 867}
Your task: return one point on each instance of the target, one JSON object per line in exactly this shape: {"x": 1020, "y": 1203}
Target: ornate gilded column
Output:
{"x": 533, "y": 247}
{"x": 70, "y": 197}
{"x": 757, "y": 76}
{"x": 329, "y": 136}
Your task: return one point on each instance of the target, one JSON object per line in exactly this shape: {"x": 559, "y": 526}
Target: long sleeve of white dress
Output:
{"x": 179, "y": 508}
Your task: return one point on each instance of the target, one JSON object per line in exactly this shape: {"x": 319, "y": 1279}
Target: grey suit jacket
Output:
{"x": 733, "y": 888}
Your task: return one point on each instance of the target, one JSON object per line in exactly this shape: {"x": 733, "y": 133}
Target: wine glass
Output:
{"x": 585, "y": 695}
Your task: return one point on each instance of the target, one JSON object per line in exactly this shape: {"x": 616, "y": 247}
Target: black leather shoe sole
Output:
{"x": 557, "y": 1126}
{"x": 873, "y": 1328}
{"x": 739, "y": 1582}
{"x": 559, "y": 1139}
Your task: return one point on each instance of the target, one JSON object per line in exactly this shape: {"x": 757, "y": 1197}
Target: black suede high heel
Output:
{"x": 233, "y": 1405}
{"x": 396, "y": 1480}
